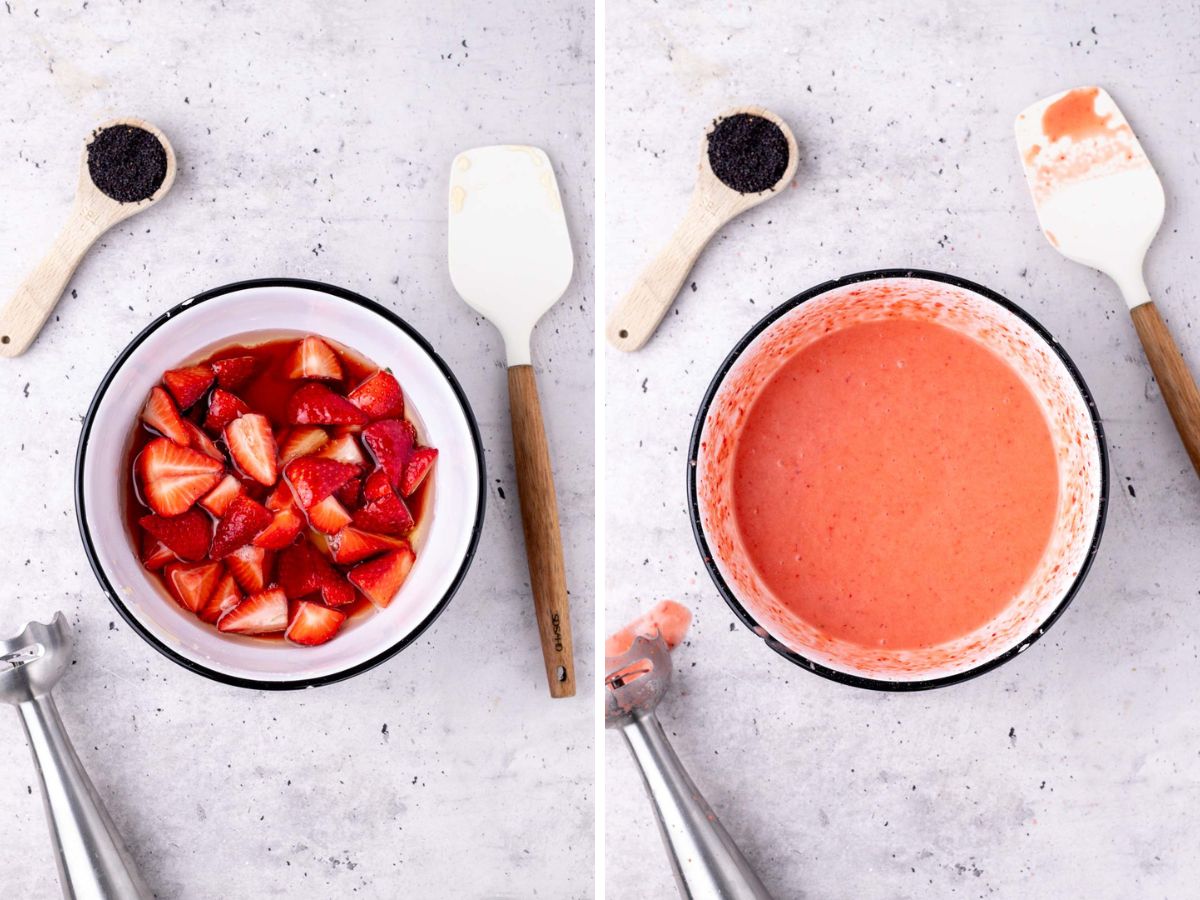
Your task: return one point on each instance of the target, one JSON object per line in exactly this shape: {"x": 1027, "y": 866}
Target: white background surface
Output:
{"x": 1071, "y": 771}
{"x": 313, "y": 141}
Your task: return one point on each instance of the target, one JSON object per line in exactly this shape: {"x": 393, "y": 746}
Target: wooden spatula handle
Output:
{"x": 1174, "y": 378}
{"x": 543, "y": 541}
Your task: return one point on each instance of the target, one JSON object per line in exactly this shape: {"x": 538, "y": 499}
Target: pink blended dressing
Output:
{"x": 895, "y": 484}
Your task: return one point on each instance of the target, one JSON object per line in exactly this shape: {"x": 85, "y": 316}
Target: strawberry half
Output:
{"x": 350, "y": 545}
{"x": 313, "y": 478}
{"x": 155, "y": 554}
{"x": 350, "y": 493}
{"x": 298, "y": 570}
{"x": 188, "y": 385}
{"x": 383, "y": 511}
{"x": 418, "y": 467}
{"x": 381, "y": 578}
{"x": 161, "y": 414}
{"x": 225, "y": 596}
{"x": 188, "y": 535}
{"x": 313, "y": 358}
{"x": 315, "y": 404}
{"x": 379, "y": 397}
{"x": 252, "y": 446}
{"x": 200, "y": 441}
{"x": 312, "y": 624}
{"x": 302, "y": 440}
{"x": 344, "y": 449}
{"x": 233, "y": 373}
{"x": 328, "y": 516}
{"x": 175, "y": 477}
{"x": 223, "y": 408}
{"x": 218, "y": 499}
{"x": 242, "y": 521}
{"x": 192, "y": 584}
{"x": 260, "y": 613}
{"x": 287, "y": 522}
{"x": 391, "y": 443}
{"x": 249, "y": 565}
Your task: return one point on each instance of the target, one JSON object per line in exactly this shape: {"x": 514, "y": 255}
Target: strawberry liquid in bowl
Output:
{"x": 279, "y": 484}
{"x": 898, "y": 480}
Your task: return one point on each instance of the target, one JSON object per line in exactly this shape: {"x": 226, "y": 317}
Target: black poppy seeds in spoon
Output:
{"x": 126, "y": 163}
{"x": 747, "y": 152}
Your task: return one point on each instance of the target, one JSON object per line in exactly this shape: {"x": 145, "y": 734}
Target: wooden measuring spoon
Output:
{"x": 92, "y": 213}
{"x": 713, "y": 204}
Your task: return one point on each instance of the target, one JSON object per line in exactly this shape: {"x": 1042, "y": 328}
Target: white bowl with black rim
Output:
{"x": 252, "y": 312}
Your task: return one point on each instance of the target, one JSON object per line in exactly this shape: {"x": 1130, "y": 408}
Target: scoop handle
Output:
{"x": 1175, "y": 380}
{"x": 543, "y": 540}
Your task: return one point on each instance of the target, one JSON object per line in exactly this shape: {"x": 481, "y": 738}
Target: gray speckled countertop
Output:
{"x": 314, "y": 143}
{"x": 1071, "y": 771}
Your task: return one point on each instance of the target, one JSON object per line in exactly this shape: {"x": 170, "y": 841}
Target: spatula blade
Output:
{"x": 1098, "y": 199}
{"x": 510, "y": 251}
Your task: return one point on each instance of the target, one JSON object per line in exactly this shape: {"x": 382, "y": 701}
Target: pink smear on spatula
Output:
{"x": 668, "y": 618}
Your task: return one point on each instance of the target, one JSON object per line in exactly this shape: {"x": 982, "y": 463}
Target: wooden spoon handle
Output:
{"x": 543, "y": 542}
{"x": 1174, "y": 379}
{"x": 35, "y": 299}
{"x": 637, "y": 316}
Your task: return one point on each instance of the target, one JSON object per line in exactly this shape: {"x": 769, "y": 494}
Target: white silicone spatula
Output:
{"x": 1099, "y": 202}
{"x": 511, "y": 260}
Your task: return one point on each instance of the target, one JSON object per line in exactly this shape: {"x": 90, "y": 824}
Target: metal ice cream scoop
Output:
{"x": 706, "y": 862}
{"x": 93, "y": 863}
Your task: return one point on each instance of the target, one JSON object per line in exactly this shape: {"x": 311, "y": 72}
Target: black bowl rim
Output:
{"x": 726, "y": 592}
{"x": 114, "y": 597}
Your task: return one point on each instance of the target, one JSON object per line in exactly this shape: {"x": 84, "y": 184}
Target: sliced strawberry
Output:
{"x": 315, "y": 404}
{"x": 383, "y": 511}
{"x": 233, "y": 373}
{"x": 252, "y": 446}
{"x": 351, "y": 545}
{"x": 391, "y": 443}
{"x": 192, "y": 584}
{"x": 312, "y": 624}
{"x": 313, "y": 358}
{"x": 223, "y": 408}
{"x": 218, "y": 499}
{"x": 201, "y": 442}
{"x": 242, "y": 521}
{"x": 188, "y": 534}
{"x": 379, "y": 397}
{"x": 260, "y": 613}
{"x": 249, "y": 565}
{"x": 225, "y": 596}
{"x": 188, "y": 385}
{"x": 336, "y": 590}
{"x": 298, "y": 570}
{"x": 313, "y": 479}
{"x": 350, "y": 493}
{"x": 418, "y": 467}
{"x": 161, "y": 414}
{"x": 328, "y": 516}
{"x": 285, "y": 526}
{"x": 155, "y": 554}
{"x": 302, "y": 440}
{"x": 344, "y": 448}
{"x": 175, "y": 477}
{"x": 381, "y": 578}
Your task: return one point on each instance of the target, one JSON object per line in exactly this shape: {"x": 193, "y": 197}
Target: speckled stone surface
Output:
{"x": 313, "y": 142}
{"x": 1072, "y": 771}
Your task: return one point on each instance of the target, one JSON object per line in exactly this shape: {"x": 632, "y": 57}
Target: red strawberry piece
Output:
{"x": 260, "y": 613}
{"x": 218, "y": 499}
{"x": 200, "y": 441}
{"x": 328, "y": 516}
{"x": 225, "y": 596}
{"x": 391, "y": 442}
{"x": 337, "y": 591}
{"x": 155, "y": 554}
{"x": 381, "y": 578}
{"x": 351, "y": 545}
{"x": 242, "y": 521}
{"x": 161, "y": 414}
{"x": 249, "y": 565}
{"x": 303, "y": 440}
{"x": 188, "y": 385}
{"x": 383, "y": 511}
{"x": 285, "y": 526}
{"x": 188, "y": 535}
{"x": 344, "y": 448}
{"x": 379, "y": 397}
{"x": 280, "y": 498}
{"x": 192, "y": 584}
{"x": 350, "y": 493}
{"x": 233, "y": 373}
{"x": 252, "y": 446}
{"x": 175, "y": 477}
{"x": 313, "y": 358}
{"x": 313, "y": 479}
{"x": 298, "y": 570}
{"x": 315, "y": 404}
{"x": 223, "y": 408}
{"x": 312, "y": 624}
{"x": 418, "y": 467}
